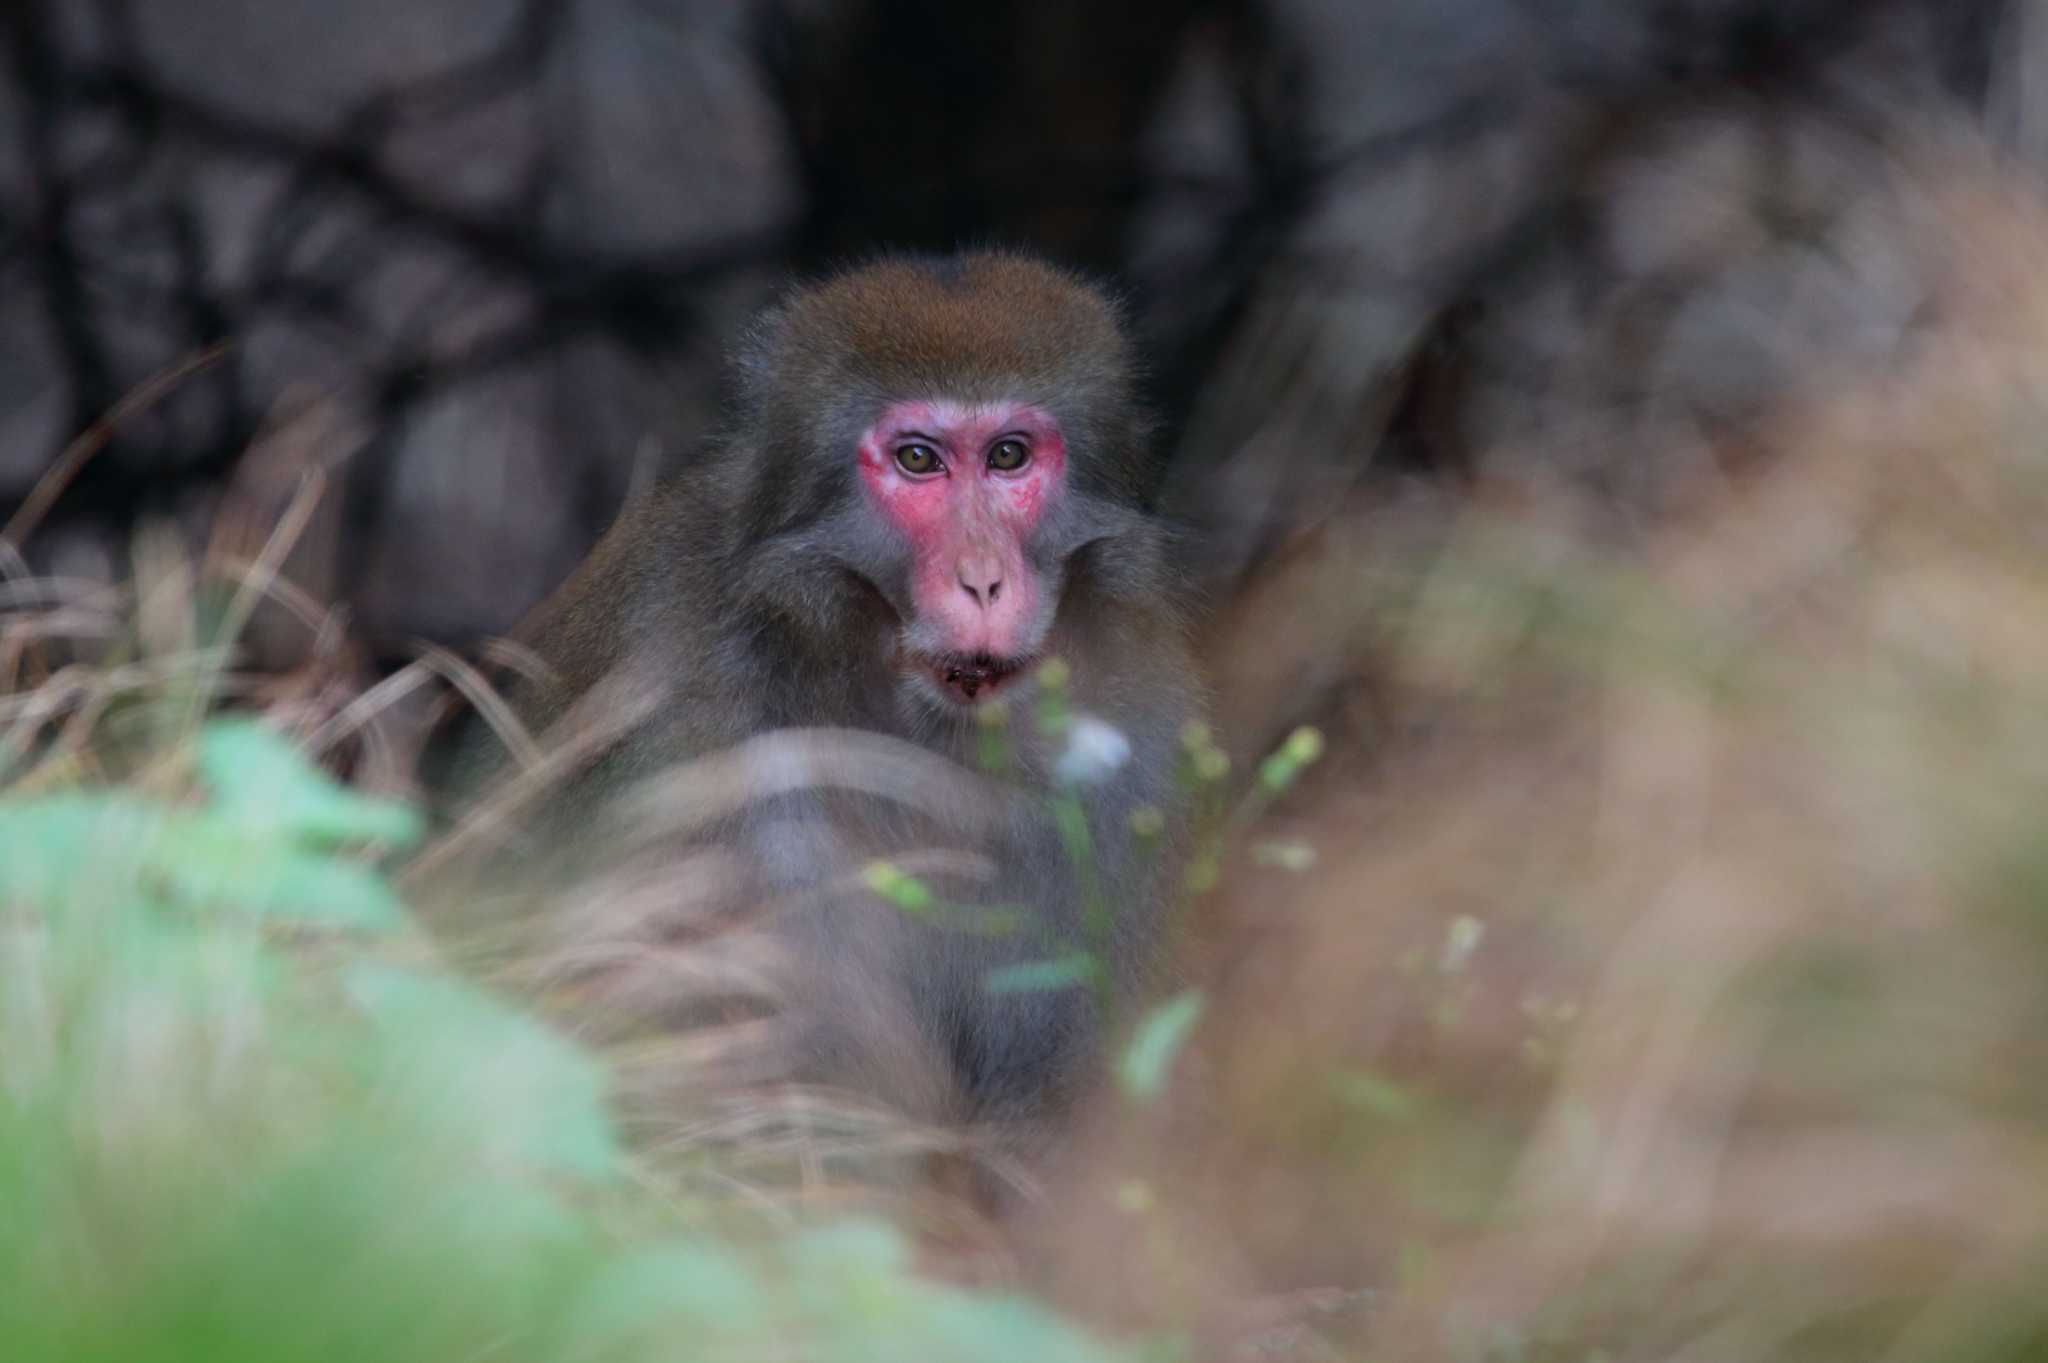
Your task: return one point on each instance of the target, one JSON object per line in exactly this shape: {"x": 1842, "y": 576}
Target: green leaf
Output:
{"x": 208, "y": 864}
{"x": 629, "y": 1307}
{"x": 546, "y": 1096}
{"x": 87, "y": 847}
{"x": 1368, "y": 1092}
{"x": 260, "y": 781}
{"x": 1062, "y": 972}
{"x": 859, "y": 1299}
{"x": 862, "y": 1247}
{"x": 1159, "y": 1039}
{"x": 1286, "y": 856}
{"x": 906, "y": 892}
{"x": 73, "y": 846}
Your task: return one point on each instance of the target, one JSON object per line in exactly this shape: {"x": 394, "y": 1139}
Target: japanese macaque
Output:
{"x": 917, "y": 582}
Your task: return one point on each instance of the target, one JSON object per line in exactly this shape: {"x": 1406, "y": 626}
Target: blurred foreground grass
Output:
{"x": 244, "y": 1115}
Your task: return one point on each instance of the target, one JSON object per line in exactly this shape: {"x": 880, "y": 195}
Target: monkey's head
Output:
{"x": 941, "y": 449}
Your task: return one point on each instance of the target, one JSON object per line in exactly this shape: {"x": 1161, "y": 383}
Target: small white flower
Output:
{"x": 1093, "y": 753}
{"x": 1461, "y": 939}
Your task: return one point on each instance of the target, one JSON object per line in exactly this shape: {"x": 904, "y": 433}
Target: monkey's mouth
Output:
{"x": 972, "y": 678}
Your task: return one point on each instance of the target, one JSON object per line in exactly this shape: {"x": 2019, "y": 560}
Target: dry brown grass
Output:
{"x": 1678, "y": 994}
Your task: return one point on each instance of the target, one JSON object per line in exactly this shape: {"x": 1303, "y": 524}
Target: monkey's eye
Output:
{"x": 917, "y": 460}
{"x": 1007, "y": 456}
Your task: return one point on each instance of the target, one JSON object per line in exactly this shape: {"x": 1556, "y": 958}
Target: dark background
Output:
{"x": 498, "y": 245}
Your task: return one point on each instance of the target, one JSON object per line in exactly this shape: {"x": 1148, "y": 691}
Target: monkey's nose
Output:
{"x": 981, "y": 580}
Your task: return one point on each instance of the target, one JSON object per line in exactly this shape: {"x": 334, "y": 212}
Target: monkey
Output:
{"x": 927, "y": 517}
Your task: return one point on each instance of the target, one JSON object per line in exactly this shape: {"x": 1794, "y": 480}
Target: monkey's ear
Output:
{"x": 785, "y": 348}
{"x": 764, "y": 359}
{"x": 770, "y": 345}
{"x": 758, "y": 355}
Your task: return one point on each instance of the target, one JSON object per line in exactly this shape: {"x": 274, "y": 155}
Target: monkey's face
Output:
{"x": 965, "y": 489}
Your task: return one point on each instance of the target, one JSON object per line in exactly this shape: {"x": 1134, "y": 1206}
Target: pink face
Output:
{"x": 965, "y": 485}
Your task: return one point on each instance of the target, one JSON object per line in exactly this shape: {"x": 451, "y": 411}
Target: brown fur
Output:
{"x": 758, "y": 591}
